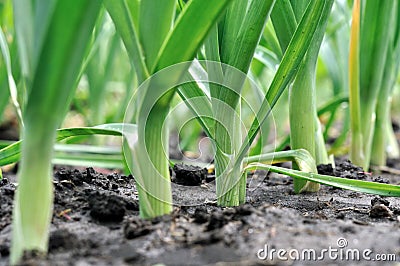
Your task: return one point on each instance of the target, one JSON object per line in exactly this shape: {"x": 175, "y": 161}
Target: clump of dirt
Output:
{"x": 106, "y": 208}
{"x": 63, "y": 239}
{"x": 380, "y": 200}
{"x": 380, "y": 208}
{"x": 136, "y": 227}
{"x": 188, "y": 175}
{"x": 345, "y": 169}
{"x": 380, "y": 211}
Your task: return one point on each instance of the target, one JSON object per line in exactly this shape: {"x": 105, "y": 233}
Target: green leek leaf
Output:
{"x": 12, "y": 153}
{"x": 345, "y": 183}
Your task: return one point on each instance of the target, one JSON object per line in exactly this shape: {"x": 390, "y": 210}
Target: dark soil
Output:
{"x": 96, "y": 222}
{"x": 9, "y": 130}
{"x": 345, "y": 169}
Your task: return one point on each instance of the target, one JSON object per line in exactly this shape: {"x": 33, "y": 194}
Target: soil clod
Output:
{"x": 136, "y": 227}
{"x": 345, "y": 169}
{"x": 106, "y": 208}
{"x": 380, "y": 200}
{"x": 62, "y": 239}
{"x": 380, "y": 211}
{"x": 189, "y": 175}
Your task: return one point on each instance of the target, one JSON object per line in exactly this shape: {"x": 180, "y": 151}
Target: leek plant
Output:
{"x": 305, "y": 127}
{"x": 104, "y": 79}
{"x": 99, "y": 69}
{"x": 6, "y": 28}
{"x": 335, "y": 53}
{"x": 154, "y": 40}
{"x": 52, "y": 37}
{"x": 372, "y": 70}
{"x": 234, "y": 44}
{"x": 152, "y": 173}
{"x": 226, "y": 84}
{"x": 4, "y": 94}
{"x": 266, "y": 60}
{"x": 9, "y": 74}
{"x": 231, "y": 182}
{"x": 384, "y": 144}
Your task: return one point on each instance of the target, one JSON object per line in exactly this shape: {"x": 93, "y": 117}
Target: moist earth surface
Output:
{"x": 96, "y": 222}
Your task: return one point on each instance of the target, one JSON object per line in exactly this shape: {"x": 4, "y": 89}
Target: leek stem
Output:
{"x": 305, "y": 128}
{"x": 384, "y": 141}
{"x": 152, "y": 161}
{"x": 374, "y": 43}
{"x": 301, "y": 108}
{"x": 240, "y": 33}
{"x": 32, "y": 214}
{"x": 231, "y": 186}
{"x": 382, "y": 132}
{"x": 356, "y": 151}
